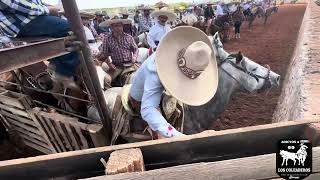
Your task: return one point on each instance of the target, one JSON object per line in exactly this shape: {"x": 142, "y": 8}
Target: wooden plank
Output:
{"x": 28, "y": 133}
{"x": 7, "y": 100}
{"x": 14, "y": 110}
{"x": 50, "y": 135}
{"x": 33, "y": 116}
{"x": 257, "y": 167}
{"x": 64, "y": 136}
{"x": 123, "y": 161}
{"x": 56, "y": 136}
{"x": 84, "y": 141}
{"x": 24, "y": 126}
{"x": 35, "y": 141}
{"x": 97, "y": 136}
{"x": 18, "y": 118}
{"x": 208, "y": 146}
{"x": 315, "y": 176}
{"x": 39, "y": 148}
{"x": 73, "y": 139}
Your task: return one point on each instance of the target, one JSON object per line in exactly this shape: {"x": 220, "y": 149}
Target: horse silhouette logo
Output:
{"x": 300, "y": 155}
{"x": 294, "y": 159}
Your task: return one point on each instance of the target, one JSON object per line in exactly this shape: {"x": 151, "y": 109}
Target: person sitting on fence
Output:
{"x": 184, "y": 65}
{"x": 145, "y": 21}
{"x": 161, "y": 28}
{"x": 118, "y": 45}
{"x": 33, "y": 18}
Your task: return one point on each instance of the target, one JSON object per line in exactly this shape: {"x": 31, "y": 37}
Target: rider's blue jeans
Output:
{"x": 51, "y": 26}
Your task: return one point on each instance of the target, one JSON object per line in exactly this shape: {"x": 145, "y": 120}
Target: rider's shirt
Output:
{"x": 147, "y": 89}
{"x": 246, "y": 6}
{"x": 156, "y": 33}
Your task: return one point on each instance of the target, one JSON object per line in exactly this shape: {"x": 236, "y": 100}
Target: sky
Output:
{"x": 93, "y": 4}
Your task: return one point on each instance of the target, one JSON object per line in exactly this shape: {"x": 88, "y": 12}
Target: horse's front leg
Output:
{"x": 283, "y": 161}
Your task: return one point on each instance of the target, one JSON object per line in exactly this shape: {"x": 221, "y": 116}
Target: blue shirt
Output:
{"x": 15, "y": 14}
{"x": 147, "y": 89}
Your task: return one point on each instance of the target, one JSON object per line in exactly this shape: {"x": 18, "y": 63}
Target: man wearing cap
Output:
{"x": 160, "y": 28}
{"x": 97, "y": 20}
{"x": 33, "y": 18}
{"x": 118, "y": 45}
{"x": 184, "y": 66}
{"x": 145, "y": 21}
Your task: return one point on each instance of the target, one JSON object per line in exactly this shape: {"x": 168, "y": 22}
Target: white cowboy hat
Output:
{"x": 146, "y": 8}
{"x": 164, "y": 12}
{"x": 187, "y": 66}
{"x": 189, "y": 19}
{"x": 114, "y": 20}
{"x": 87, "y": 15}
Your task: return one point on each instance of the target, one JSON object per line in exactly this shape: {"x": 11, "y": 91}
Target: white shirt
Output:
{"x": 156, "y": 33}
{"x": 219, "y": 11}
{"x": 93, "y": 45}
{"x": 147, "y": 89}
{"x": 246, "y": 6}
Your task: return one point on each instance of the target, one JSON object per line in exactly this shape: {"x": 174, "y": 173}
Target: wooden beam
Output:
{"x": 257, "y": 167}
{"x": 208, "y": 146}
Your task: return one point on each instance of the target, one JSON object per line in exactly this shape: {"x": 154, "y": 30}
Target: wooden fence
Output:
{"x": 47, "y": 132}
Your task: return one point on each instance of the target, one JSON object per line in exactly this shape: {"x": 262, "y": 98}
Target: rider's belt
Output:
{"x": 124, "y": 65}
{"x": 92, "y": 41}
{"x": 135, "y": 105}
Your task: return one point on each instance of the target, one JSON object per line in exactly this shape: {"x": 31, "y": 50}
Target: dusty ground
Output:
{"x": 272, "y": 44}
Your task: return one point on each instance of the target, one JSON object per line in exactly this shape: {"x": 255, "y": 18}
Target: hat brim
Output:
{"x": 171, "y": 16}
{"x": 87, "y": 15}
{"x": 108, "y": 23}
{"x": 144, "y": 9}
{"x": 194, "y": 92}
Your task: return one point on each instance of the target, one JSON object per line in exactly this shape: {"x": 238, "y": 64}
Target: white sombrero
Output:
{"x": 114, "y": 20}
{"x": 186, "y": 65}
{"x": 164, "y": 12}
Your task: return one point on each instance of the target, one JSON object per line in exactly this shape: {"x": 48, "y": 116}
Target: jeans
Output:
{"x": 55, "y": 27}
{"x": 237, "y": 26}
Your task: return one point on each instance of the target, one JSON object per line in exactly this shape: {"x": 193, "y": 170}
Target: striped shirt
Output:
{"x": 15, "y": 14}
{"x": 122, "y": 51}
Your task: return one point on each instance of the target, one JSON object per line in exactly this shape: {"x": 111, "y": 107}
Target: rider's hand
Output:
{"x": 53, "y": 10}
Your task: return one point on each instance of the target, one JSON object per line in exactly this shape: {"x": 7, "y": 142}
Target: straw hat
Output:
{"x": 87, "y": 15}
{"x": 186, "y": 65}
{"x": 114, "y": 20}
{"x": 164, "y": 12}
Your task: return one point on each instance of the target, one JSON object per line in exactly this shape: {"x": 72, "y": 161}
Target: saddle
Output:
{"x": 129, "y": 124}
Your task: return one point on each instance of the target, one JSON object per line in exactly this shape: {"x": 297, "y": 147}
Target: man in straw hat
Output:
{"x": 184, "y": 65}
{"x": 160, "y": 28}
{"x": 128, "y": 28}
{"x": 98, "y": 20}
{"x": 118, "y": 45}
{"x": 145, "y": 21}
{"x": 90, "y": 32}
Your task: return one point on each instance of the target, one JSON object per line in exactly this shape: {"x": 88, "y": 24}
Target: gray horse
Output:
{"x": 236, "y": 73}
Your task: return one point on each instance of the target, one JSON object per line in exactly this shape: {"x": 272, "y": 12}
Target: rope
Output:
{"x": 42, "y": 91}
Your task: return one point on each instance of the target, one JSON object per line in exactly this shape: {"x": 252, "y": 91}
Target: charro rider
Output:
{"x": 161, "y": 28}
{"x": 118, "y": 45}
{"x": 184, "y": 66}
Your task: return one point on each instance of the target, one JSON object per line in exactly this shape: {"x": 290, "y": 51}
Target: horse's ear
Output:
{"x": 239, "y": 57}
{"x": 216, "y": 35}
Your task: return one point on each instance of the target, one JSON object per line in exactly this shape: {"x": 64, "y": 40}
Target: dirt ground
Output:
{"x": 272, "y": 44}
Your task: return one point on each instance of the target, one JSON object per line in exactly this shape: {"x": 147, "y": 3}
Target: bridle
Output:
{"x": 267, "y": 82}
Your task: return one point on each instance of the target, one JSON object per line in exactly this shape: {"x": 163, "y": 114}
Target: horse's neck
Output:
{"x": 221, "y": 54}
{"x": 198, "y": 119}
